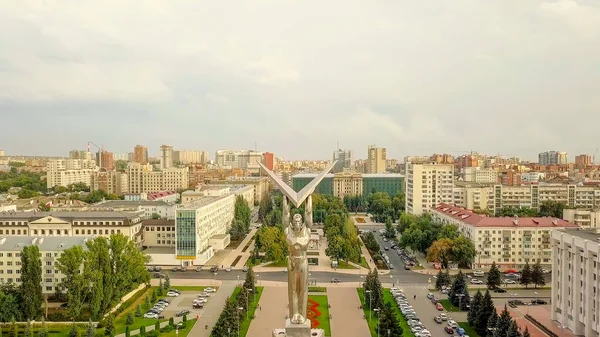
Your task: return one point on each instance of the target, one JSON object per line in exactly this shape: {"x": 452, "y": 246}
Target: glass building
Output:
{"x": 391, "y": 183}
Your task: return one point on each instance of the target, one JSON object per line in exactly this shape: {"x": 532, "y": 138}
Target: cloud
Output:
{"x": 298, "y": 76}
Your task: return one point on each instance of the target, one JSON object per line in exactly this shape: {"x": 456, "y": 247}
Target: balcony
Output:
{"x": 506, "y": 248}
{"x": 506, "y": 254}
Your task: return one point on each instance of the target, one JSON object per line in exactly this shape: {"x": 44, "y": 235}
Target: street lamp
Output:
{"x": 460, "y": 296}
{"x": 370, "y": 310}
{"x": 536, "y": 296}
{"x": 378, "y": 319}
{"x": 238, "y": 321}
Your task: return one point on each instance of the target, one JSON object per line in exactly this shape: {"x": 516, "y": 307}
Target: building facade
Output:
{"x": 63, "y": 172}
{"x": 143, "y": 179}
{"x": 105, "y": 160}
{"x": 586, "y": 218}
{"x": 583, "y": 160}
{"x": 159, "y": 233}
{"x": 111, "y": 182}
{"x": 427, "y": 185}
{"x": 509, "y": 242}
{"x": 246, "y": 191}
{"x": 480, "y": 175}
{"x": 243, "y": 159}
{"x": 376, "y": 159}
{"x": 140, "y": 154}
{"x": 166, "y": 157}
{"x": 260, "y": 185}
{"x": 344, "y": 160}
{"x": 269, "y": 160}
{"x": 552, "y": 158}
{"x": 576, "y": 281}
{"x": 51, "y": 249}
{"x": 147, "y": 209}
{"x": 348, "y": 183}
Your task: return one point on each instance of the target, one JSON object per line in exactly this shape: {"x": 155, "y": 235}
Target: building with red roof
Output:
{"x": 509, "y": 241}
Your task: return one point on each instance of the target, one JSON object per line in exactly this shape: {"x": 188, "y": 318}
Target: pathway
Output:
{"x": 346, "y": 317}
{"x": 233, "y": 254}
{"x": 273, "y": 302}
{"x": 212, "y": 310}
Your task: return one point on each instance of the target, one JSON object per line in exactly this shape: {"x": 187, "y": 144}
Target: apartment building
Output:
{"x": 480, "y": 175}
{"x": 344, "y": 160}
{"x": 186, "y": 157}
{"x": 166, "y": 157}
{"x": 586, "y": 218}
{"x": 552, "y": 158}
{"x": 80, "y": 154}
{"x": 201, "y": 228}
{"x": 509, "y": 242}
{"x": 105, "y": 160}
{"x": 246, "y": 191}
{"x": 376, "y": 159}
{"x": 140, "y": 154}
{"x": 470, "y": 160}
{"x": 348, "y": 183}
{"x": 583, "y": 160}
{"x": 66, "y": 224}
{"x": 146, "y": 208}
{"x": 50, "y": 248}
{"x": 260, "y": 185}
{"x": 159, "y": 233}
{"x": 576, "y": 281}
{"x": 111, "y": 182}
{"x": 243, "y": 159}
{"x": 427, "y": 185}
{"x": 63, "y": 172}
{"x": 268, "y": 160}
{"x": 142, "y": 178}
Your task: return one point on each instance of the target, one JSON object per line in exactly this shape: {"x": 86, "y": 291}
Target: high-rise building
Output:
{"x": 344, "y": 160}
{"x": 552, "y": 158}
{"x": 583, "y": 160}
{"x": 80, "y": 154}
{"x": 268, "y": 160}
{"x": 111, "y": 182}
{"x": 243, "y": 159}
{"x": 376, "y": 159}
{"x": 1, "y": 153}
{"x": 140, "y": 154}
{"x": 166, "y": 157}
{"x": 186, "y": 157}
{"x": 480, "y": 175}
{"x": 142, "y": 179}
{"x": 427, "y": 185}
{"x": 121, "y": 156}
{"x": 105, "y": 160}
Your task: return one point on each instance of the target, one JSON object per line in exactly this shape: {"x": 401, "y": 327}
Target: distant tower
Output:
{"x": 166, "y": 157}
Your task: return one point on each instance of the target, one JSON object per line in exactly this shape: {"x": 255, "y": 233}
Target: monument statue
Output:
{"x": 297, "y": 234}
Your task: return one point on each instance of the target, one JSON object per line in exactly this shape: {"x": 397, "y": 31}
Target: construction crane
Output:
{"x": 101, "y": 149}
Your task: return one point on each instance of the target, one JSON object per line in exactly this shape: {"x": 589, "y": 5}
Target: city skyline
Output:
{"x": 517, "y": 78}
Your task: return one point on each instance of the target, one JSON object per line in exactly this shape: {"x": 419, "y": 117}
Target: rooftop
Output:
{"x": 125, "y": 203}
{"x": 152, "y": 196}
{"x": 364, "y": 175}
{"x": 478, "y": 220}
{"x": 47, "y": 243}
{"x": 158, "y": 222}
{"x": 590, "y": 235}
{"x": 66, "y": 215}
{"x": 200, "y": 202}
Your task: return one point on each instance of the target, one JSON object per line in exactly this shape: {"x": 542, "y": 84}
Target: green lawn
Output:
{"x": 363, "y": 262}
{"x": 137, "y": 321}
{"x": 345, "y": 265}
{"x": 469, "y": 331}
{"x": 317, "y": 289}
{"x": 252, "y": 304}
{"x": 372, "y": 323}
{"x": 448, "y": 306}
{"x": 277, "y": 264}
{"x": 324, "y": 310}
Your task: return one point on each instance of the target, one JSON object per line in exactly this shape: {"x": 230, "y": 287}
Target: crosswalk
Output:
{"x": 411, "y": 286}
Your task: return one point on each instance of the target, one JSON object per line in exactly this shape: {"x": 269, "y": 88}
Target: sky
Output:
{"x": 507, "y": 77}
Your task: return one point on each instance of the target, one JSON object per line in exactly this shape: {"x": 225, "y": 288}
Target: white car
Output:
{"x": 443, "y": 316}
{"x": 478, "y": 273}
{"x": 509, "y": 281}
{"x": 201, "y": 300}
{"x": 172, "y": 294}
{"x": 150, "y": 315}
{"x": 452, "y": 323}
{"x": 423, "y": 333}
{"x": 204, "y": 294}
{"x": 476, "y": 281}
{"x": 210, "y": 290}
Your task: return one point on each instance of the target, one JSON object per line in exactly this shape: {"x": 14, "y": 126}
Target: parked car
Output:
{"x": 183, "y": 269}
{"x": 196, "y": 305}
{"x": 172, "y": 294}
{"x": 430, "y": 296}
{"x": 443, "y": 316}
{"x": 175, "y": 269}
{"x": 245, "y": 269}
{"x": 201, "y": 300}
{"x": 182, "y": 313}
{"x": 335, "y": 280}
{"x": 406, "y": 267}
{"x": 228, "y": 269}
{"x": 514, "y": 303}
{"x": 150, "y": 315}
{"x": 210, "y": 290}
{"x": 449, "y": 330}
{"x": 478, "y": 273}
{"x": 509, "y": 281}
{"x": 499, "y": 290}
{"x": 439, "y": 306}
{"x": 214, "y": 269}
{"x": 438, "y": 319}
{"x": 538, "y": 302}
{"x": 452, "y": 323}
{"x": 204, "y": 294}
{"x": 476, "y": 281}
{"x": 199, "y": 268}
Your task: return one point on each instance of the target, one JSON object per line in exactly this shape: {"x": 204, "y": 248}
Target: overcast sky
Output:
{"x": 512, "y": 77}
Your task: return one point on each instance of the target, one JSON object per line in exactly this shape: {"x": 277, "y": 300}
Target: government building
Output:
{"x": 351, "y": 183}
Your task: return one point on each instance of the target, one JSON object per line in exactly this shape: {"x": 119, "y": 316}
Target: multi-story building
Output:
{"x": 140, "y": 154}
{"x": 246, "y": 191}
{"x": 509, "y": 242}
{"x": 105, "y": 160}
{"x": 111, "y": 182}
{"x": 260, "y": 185}
{"x": 268, "y": 160}
{"x": 586, "y": 218}
{"x": 121, "y": 156}
{"x": 347, "y": 183}
{"x": 186, "y": 157}
{"x": 552, "y": 158}
{"x": 576, "y": 281}
{"x": 50, "y": 248}
{"x": 63, "y": 172}
{"x": 509, "y": 177}
{"x": 391, "y": 164}
{"x": 427, "y": 185}
{"x": 470, "y": 160}
{"x": 376, "y": 159}
{"x": 65, "y": 224}
{"x": 166, "y": 157}
{"x": 243, "y": 159}
{"x": 480, "y": 175}
{"x": 80, "y": 154}
{"x": 441, "y": 158}
{"x": 344, "y": 160}
{"x": 583, "y": 160}
{"x": 142, "y": 178}
{"x": 493, "y": 197}
{"x": 1, "y": 153}
{"x": 159, "y": 233}
{"x": 531, "y": 177}
{"x": 147, "y": 209}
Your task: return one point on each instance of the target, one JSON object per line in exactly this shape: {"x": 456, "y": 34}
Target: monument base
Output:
{"x": 298, "y": 330}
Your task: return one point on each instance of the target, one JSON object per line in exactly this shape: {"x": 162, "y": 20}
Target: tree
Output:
{"x": 109, "y": 325}
{"x": 443, "y": 279}
{"x": 503, "y": 323}
{"x": 513, "y": 330}
{"x": 390, "y": 232}
{"x": 157, "y": 326}
{"x": 463, "y": 251}
{"x": 250, "y": 282}
{"x": 491, "y": 324}
{"x": 43, "y": 331}
{"x": 537, "y": 275}
{"x": 373, "y": 298}
{"x": 127, "y": 331}
{"x": 143, "y": 330}
{"x": 237, "y": 230}
{"x": 404, "y": 222}
{"x": 161, "y": 288}
{"x": 493, "y": 278}
{"x": 552, "y": 208}
{"x": 31, "y": 281}
{"x": 475, "y": 307}
{"x": 154, "y": 296}
{"x": 138, "y": 311}
{"x": 459, "y": 292}
{"x": 147, "y": 302}
{"x": 129, "y": 319}
{"x": 449, "y": 232}
{"x": 486, "y": 309}
{"x": 155, "y": 216}
{"x": 90, "y": 331}
{"x": 10, "y": 297}
{"x": 69, "y": 264}
{"x": 73, "y": 332}
{"x": 526, "y": 333}
{"x": 388, "y": 321}
{"x": 167, "y": 283}
{"x": 13, "y": 332}
{"x": 440, "y": 251}
{"x": 29, "y": 329}
{"x": 271, "y": 241}
{"x": 526, "y": 275}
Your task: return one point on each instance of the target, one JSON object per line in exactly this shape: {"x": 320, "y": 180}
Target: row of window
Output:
{"x": 59, "y": 232}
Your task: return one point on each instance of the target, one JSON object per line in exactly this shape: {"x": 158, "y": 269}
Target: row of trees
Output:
{"x": 27, "y": 181}
{"x": 374, "y": 299}
{"x": 483, "y": 317}
{"x": 242, "y": 217}
{"x": 549, "y": 208}
{"x": 381, "y": 206}
{"x": 342, "y": 239}
{"x": 232, "y": 316}
{"x": 111, "y": 268}
{"x": 529, "y": 275}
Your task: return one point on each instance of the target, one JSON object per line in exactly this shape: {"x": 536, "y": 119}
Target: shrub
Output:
{"x": 142, "y": 331}
{"x": 184, "y": 318}
{"x": 154, "y": 333}
{"x": 127, "y": 331}
{"x": 138, "y": 311}
{"x": 129, "y": 319}
{"x": 171, "y": 322}
{"x": 157, "y": 326}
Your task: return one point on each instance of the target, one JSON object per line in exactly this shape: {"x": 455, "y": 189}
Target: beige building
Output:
{"x": 480, "y": 175}
{"x": 576, "y": 281}
{"x": 185, "y": 157}
{"x": 243, "y": 159}
{"x": 63, "y": 172}
{"x": 65, "y": 224}
{"x": 376, "y": 159}
{"x": 586, "y": 218}
{"x": 481, "y": 197}
{"x": 260, "y": 185}
{"x": 427, "y": 185}
{"x": 347, "y": 183}
{"x": 159, "y": 233}
{"x": 111, "y": 182}
{"x": 509, "y": 242}
{"x": 50, "y": 248}
{"x": 246, "y": 191}
{"x": 143, "y": 179}
{"x": 166, "y": 157}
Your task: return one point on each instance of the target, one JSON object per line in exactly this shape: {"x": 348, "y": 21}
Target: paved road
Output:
{"x": 212, "y": 310}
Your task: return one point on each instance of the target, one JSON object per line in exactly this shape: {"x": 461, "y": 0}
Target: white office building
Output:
{"x": 64, "y": 172}
{"x": 576, "y": 281}
{"x": 427, "y": 185}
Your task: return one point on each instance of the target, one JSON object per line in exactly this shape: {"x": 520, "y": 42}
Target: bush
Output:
{"x": 153, "y": 333}
{"x": 171, "y": 322}
{"x": 157, "y": 326}
{"x": 58, "y": 317}
{"x": 127, "y": 331}
{"x": 142, "y": 331}
{"x": 138, "y": 311}
{"x": 129, "y": 319}
{"x": 184, "y": 318}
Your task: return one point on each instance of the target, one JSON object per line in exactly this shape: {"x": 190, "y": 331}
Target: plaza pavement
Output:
{"x": 272, "y": 312}
{"x": 346, "y": 315}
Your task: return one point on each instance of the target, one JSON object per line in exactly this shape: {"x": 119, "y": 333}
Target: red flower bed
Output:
{"x": 313, "y": 313}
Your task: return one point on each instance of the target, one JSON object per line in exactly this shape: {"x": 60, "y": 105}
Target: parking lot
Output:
{"x": 183, "y": 302}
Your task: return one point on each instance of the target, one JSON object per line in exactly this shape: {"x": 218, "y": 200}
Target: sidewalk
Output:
{"x": 213, "y": 310}
{"x": 233, "y": 254}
